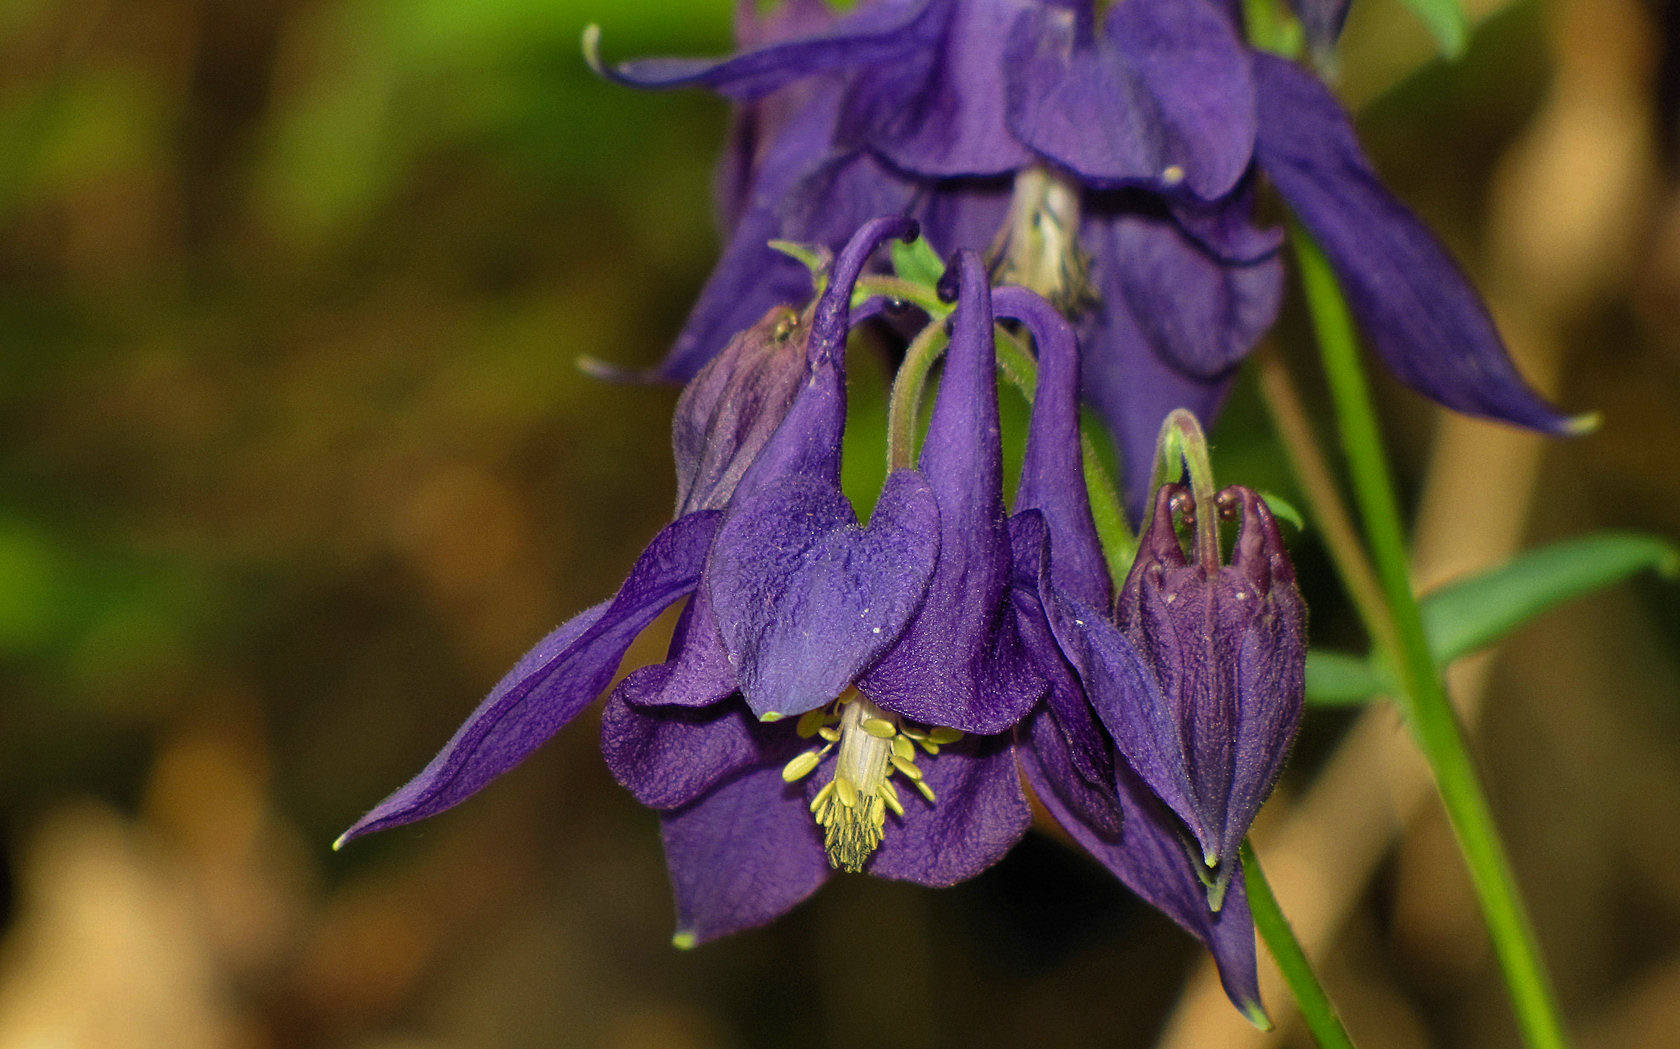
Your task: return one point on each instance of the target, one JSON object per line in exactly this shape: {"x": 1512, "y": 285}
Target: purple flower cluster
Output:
{"x": 879, "y": 697}
{"x": 870, "y": 698}
{"x": 1110, "y": 162}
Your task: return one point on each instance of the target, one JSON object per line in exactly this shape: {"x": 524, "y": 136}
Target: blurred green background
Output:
{"x": 295, "y": 461}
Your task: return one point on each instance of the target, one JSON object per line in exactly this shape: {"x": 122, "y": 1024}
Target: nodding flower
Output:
{"x": 1108, "y": 157}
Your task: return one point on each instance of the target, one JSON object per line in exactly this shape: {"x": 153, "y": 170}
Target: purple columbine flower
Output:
{"x": 1109, "y": 163}
{"x": 836, "y": 695}
{"x": 894, "y": 646}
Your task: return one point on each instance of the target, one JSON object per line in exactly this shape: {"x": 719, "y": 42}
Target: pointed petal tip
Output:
{"x": 687, "y": 940}
{"x": 1256, "y": 1014}
{"x": 1583, "y": 424}
{"x": 606, "y": 371}
{"x": 591, "y": 44}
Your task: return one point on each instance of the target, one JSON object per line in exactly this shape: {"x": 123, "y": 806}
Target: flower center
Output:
{"x": 1039, "y": 246}
{"x": 852, "y": 807}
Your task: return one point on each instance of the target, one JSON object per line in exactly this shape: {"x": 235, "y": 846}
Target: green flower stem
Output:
{"x": 1434, "y": 722}
{"x": 908, "y": 387}
{"x": 1316, "y": 1009}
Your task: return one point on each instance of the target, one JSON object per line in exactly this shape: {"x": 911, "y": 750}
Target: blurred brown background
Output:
{"x": 294, "y": 461}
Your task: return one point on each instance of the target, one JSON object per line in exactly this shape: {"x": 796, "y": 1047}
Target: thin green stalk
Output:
{"x": 908, "y": 387}
{"x": 1273, "y": 927}
{"x": 1434, "y": 722}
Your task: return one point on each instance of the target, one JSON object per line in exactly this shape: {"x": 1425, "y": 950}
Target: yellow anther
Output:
{"x": 770, "y": 717}
{"x": 820, "y": 802}
{"x": 944, "y": 735}
{"x": 907, "y": 767}
{"x": 903, "y": 748}
{"x": 811, "y": 721}
{"x": 927, "y": 791}
{"x": 889, "y": 794}
{"x": 1172, "y": 174}
{"x": 830, "y": 733}
{"x": 847, "y": 791}
{"x": 913, "y": 732}
{"x": 799, "y": 767}
{"x": 880, "y": 728}
{"x": 928, "y": 745}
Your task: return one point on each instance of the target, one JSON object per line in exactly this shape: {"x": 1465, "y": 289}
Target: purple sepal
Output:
{"x": 939, "y": 112}
{"x": 1133, "y": 389}
{"x": 741, "y": 856}
{"x": 1149, "y": 857}
{"x": 1161, "y": 98}
{"x": 697, "y": 673}
{"x": 1088, "y": 747}
{"x": 881, "y": 34}
{"x": 732, "y": 407}
{"x": 555, "y": 680}
{"x": 751, "y": 277}
{"x": 1056, "y": 761}
{"x": 959, "y": 662}
{"x": 1122, "y": 688}
{"x": 1200, "y": 313}
{"x": 979, "y": 815}
{"x": 806, "y": 598}
{"x": 1415, "y": 304}
{"x": 669, "y": 756}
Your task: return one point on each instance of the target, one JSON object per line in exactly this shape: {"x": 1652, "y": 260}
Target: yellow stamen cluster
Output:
{"x": 852, "y": 807}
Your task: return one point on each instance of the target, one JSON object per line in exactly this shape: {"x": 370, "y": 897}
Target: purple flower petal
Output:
{"x": 939, "y": 112}
{"x": 1421, "y": 314}
{"x": 1089, "y": 748}
{"x": 741, "y": 856}
{"x": 1160, "y": 98}
{"x": 1152, "y": 862}
{"x": 963, "y": 214}
{"x": 1140, "y": 717}
{"x": 731, "y": 408}
{"x": 1133, "y": 389}
{"x": 880, "y": 34}
{"x": 669, "y": 756}
{"x": 696, "y": 674}
{"x": 959, "y": 663}
{"x": 1225, "y": 228}
{"x": 554, "y": 681}
{"x": 1271, "y": 668}
{"x": 1201, "y": 314}
{"x": 1053, "y": 472}
{"x": 979, "y": 815}
{"x": 1055, "y": 768}
{"x": 806, "y": 598}
{"x": 751, "y": 278}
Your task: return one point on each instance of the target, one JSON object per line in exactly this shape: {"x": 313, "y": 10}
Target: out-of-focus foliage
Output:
{"x": 294, "y": 461}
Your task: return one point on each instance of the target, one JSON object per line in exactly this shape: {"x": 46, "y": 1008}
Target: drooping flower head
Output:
{"x": 1109, "y": 162}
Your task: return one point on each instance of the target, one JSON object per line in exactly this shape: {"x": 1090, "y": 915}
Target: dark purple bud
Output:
{"x": 729, "y": 410}
{"x": 1227, "y": 642}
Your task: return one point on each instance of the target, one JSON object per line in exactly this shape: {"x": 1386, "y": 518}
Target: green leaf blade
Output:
{"x": 1446, "y": 20}
{"x": 1341, "y": 679}
{"x": 1470, "y": 615}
